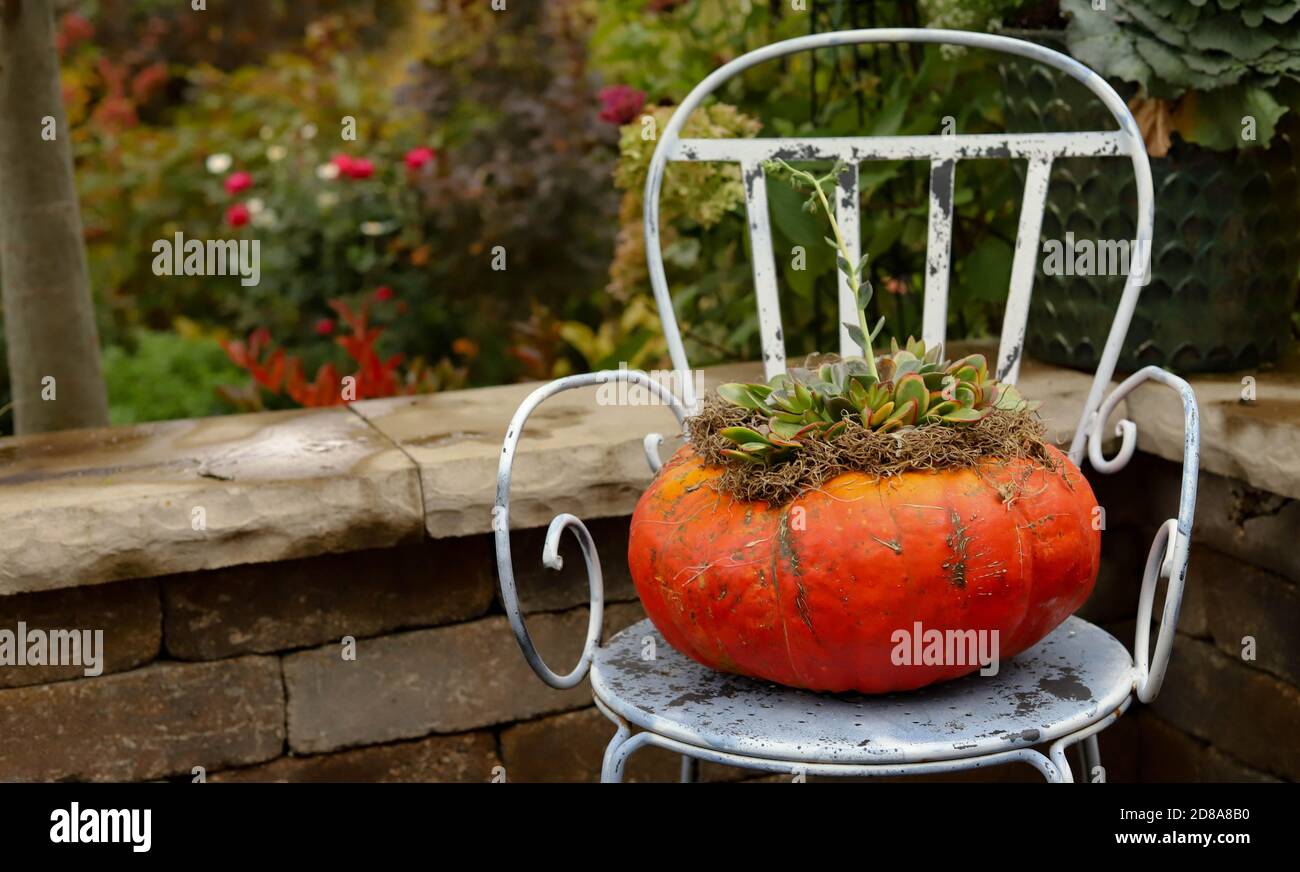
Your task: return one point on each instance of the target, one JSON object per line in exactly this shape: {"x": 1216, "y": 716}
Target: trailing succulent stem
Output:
{"x": 859, "y": 287}
{"x": 909, "y": 387}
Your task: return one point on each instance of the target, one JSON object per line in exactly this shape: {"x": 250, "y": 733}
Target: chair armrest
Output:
{"x": 551, "y": 550}
{"x": 1169, "y": 550}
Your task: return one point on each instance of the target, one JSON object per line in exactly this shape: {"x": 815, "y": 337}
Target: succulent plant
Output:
{"x": 910, "y": 387}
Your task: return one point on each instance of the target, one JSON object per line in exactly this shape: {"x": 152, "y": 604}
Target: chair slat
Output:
{"x": 1023, "y": 267}
{"x": 760, "y": 238}
{"x": 934, "y": 320}
{"x": 855, "y": 149}
{"x": 847, "y": 214}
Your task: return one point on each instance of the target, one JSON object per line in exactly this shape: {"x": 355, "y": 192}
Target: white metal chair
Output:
{"x": 1066, "y": 689}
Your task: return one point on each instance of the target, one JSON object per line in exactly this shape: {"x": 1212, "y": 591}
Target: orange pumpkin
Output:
{"x": 816, "y": 592}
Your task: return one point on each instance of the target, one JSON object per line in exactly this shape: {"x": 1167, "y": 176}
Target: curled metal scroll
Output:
{"x": 1169, "y": 551}
{"x": 551, "y": 552}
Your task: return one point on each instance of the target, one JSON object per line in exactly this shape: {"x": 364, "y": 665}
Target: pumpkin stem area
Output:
{"x": 1001, "y": 436}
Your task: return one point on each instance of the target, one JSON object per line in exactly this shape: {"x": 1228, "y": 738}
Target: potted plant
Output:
{"x": 1214, "y": 85}
{"x": 822, "y": 526}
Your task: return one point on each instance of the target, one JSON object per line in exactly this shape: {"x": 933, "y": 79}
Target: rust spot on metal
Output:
{"x": 1066, "y": 686}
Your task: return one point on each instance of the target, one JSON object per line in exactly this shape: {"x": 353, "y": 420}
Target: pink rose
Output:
{"x": 620, "y": 103}
{"x": 418, "y": 158}
{"x": 343, "y": 162}
{"x": 357, "y": 168}
{"x": 236, "y": 182}
{"x": 237, "y": 215}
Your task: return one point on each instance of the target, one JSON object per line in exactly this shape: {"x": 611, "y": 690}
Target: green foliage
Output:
{"x": 1232, "y": 58}
{"x": 885, "y": 92}
{"x": 495, "y": 95}
{"x": 510, "y": 103}
{"x": 164, "y": 376}
{"x": 701, "y": 192}
{"x": 698, "y": 209}
{"x": 321, "y": 237}
{"x": 527, "y": 167}
{"x": 667, "y": 49}
{"x": 968, "y": 14}
{"x": 224, "y": 34}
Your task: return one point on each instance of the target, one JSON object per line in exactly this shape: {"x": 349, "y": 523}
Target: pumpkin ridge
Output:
{"x": 958, "y": 544}
{"x": 1026, "y": 564}
{"x": 787, "y": 549}
{"x": 780, "y": 610}
{"x": 898, "y": 537}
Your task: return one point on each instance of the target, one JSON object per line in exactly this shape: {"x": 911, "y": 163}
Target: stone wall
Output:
{"x": 1222, "y": 715}
{"x": 241, "y": 671}
{"x": 236, "y": 662}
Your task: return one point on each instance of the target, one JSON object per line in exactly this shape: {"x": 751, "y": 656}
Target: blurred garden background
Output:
{"x": 519, "y": 131}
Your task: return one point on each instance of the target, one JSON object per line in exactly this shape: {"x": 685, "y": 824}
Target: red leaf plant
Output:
{"x": 279, "y": 373}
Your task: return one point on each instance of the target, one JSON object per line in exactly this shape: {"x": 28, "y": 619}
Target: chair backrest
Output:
{"x": 943, "y": 151}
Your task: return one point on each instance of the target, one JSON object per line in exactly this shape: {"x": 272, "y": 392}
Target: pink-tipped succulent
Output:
{"x": 910, "y": 387}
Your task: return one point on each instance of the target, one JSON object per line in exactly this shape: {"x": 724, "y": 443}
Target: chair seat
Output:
{"x": 1076, "y": 676}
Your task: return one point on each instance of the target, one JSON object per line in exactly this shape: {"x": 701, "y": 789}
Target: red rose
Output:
{"x": 620, "y": 103}
{"x": 237, "y": 215}
{"x": 240, "y": 181}
{"x": 343, "y": 162}
{"x": 383, "y": 293}
{"x": 417, "y": 158}
{"x": 324, "y": 327}
{"x": 357, "y": 168}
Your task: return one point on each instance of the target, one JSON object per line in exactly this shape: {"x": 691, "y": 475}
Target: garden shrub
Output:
{"x": 663, "y": 50}
{"x": 164, "y": 375}
{"x": 503, "y": 134}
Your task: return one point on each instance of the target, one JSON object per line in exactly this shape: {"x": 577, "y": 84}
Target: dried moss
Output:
{"x": 1000, "y": 437}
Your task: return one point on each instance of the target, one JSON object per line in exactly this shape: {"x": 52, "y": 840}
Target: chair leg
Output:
{"x": 1056, "y": 770}
{"x": 690, "y": 770}
{"x": 620, "y": 748}
{"x": 1092, "y": 760}
{"x": 1090, "y": 751}
{"x": 611, "y": 768}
